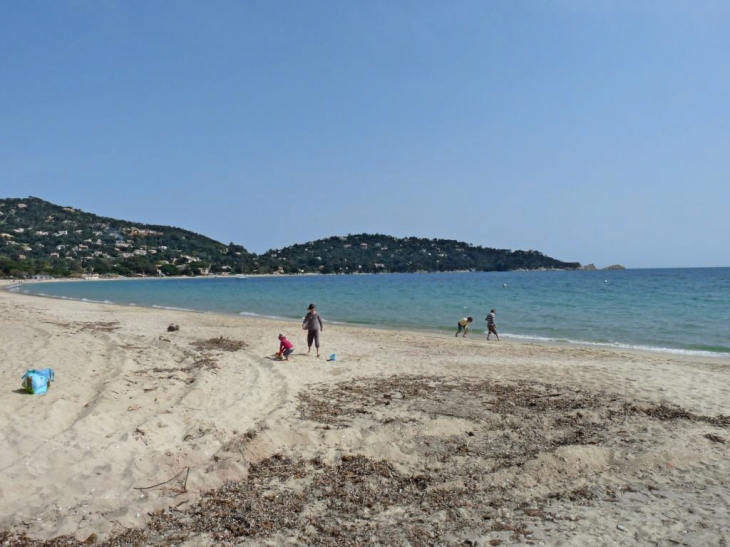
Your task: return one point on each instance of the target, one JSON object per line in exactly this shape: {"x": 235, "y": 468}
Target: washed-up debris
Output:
{"x": 103, "y": 326}
{"x": 221, "y": 344}
{"x": 461, "y": 486}
{"x": 715, "y": 438}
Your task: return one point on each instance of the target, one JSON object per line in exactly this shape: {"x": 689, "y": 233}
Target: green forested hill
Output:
{"x": 380, "y": 253}
{"x": 40, "y": 238}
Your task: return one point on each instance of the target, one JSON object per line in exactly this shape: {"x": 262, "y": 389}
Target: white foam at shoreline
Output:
{"x": 617, "y": 345}
{"x": 173, "y": 308}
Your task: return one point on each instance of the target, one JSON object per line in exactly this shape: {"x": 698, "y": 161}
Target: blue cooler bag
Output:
{"x": 38, "y": 381}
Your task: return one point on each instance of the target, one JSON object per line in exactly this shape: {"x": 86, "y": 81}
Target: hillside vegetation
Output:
{"x": 41, "y": 238}
{"x": 381, "y": 253}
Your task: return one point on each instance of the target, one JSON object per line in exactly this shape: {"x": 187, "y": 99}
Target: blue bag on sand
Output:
{"x": 38, "y": 381}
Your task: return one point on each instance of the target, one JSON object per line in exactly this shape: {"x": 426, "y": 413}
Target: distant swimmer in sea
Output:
{"x": 491, "y": 324}
{"x": 312, "y": 323}
{"x": 463, "y": 325}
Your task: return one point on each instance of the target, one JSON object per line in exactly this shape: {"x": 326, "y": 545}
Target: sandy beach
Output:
{"x": 199, "y": 436}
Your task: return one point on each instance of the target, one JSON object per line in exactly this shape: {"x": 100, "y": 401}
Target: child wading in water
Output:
{"x": 286, "y": 348}
{"x": 463, "y": 325}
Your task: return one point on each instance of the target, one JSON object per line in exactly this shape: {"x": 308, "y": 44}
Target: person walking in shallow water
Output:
{"x": 491, "y": 325}
{"x": 463, "y": 325}
{"x": 313, "y": 325}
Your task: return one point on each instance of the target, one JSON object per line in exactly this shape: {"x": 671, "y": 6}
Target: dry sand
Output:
{"x": 199, "y": 437}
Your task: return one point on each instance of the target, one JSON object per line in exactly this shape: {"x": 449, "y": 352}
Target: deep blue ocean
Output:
{"x": 672, "y": 310}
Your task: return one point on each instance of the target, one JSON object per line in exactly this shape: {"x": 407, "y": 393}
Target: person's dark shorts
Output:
{"x": 288, "y": 352}
{"x": 313, "y": 336}
{"x": 492, "y": 329}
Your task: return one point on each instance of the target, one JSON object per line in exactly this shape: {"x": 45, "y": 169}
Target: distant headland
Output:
{"x": 592, "y": 267}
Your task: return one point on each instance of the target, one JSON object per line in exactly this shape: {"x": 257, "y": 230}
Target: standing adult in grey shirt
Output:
{"x": 313, "y": 325}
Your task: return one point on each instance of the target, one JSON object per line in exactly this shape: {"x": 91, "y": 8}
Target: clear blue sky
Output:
{"x": 591, "y": 130}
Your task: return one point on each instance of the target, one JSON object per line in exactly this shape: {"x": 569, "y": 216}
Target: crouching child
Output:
{"x": 286, "y": 348}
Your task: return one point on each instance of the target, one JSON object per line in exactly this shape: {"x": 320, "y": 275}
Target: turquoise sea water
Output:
{"x": 676, "y": 310}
